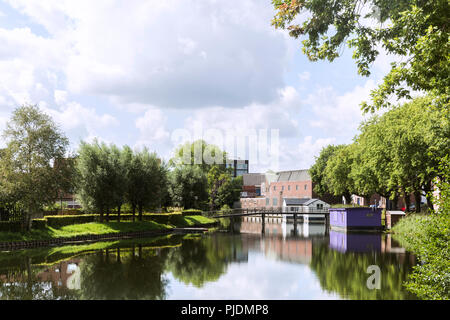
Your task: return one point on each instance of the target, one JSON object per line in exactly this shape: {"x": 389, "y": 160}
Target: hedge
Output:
{"x": 39, "y": 223}
{"x": 191, "y": 212}
{"x": 11, "y": 226}
{"x": 60, "y": 221}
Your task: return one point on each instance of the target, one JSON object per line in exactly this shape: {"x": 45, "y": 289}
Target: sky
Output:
{"x": 157, "y": 73}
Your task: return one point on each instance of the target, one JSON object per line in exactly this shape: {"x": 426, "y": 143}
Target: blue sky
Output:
{"x": 136, "y": 73}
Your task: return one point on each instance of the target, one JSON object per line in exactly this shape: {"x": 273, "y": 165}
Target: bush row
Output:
{"x": 39, "y": 223}
{"x": 60, "y": 221}
{"x": 191, "y": 212}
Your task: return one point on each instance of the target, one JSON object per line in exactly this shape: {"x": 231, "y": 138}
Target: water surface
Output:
{"x": 304, "y": 261}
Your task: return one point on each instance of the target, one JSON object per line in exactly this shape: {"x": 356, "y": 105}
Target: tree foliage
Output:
{"x": 416, "y": 30}
{"x": 223, "y": 189}
{"x": 317, "y": 170}
{"x": 188, "y": 187}
{"x": 108, "y": 177}
{"x": 198, "y": 153}
{"x": 394, "y": 154}
{"x": 34, "y": 166}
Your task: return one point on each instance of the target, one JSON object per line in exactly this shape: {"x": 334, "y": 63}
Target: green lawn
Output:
{"x": 96, "y": 228}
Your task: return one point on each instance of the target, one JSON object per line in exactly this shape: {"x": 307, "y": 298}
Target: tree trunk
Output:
{"x": 118, "y": 212}
{"x": 28, "y": 218}
{"x": 417, "y": 197}
{"x": 140, "y": 212}
{"x": 348, "y": 197}
{"x": 107, "y": 214}
{"x": 429, "y": 195}
{"x": 134, "y": 212}
{"x": 118, "y": 255}
{"x": 101, "y": 214}
{"x": 367, "y": 201}
{"x": 407, "y": 200}
{"x": 395, "y": 202}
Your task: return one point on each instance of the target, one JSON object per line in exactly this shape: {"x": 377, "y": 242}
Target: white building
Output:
{"x": 304, "y": 205}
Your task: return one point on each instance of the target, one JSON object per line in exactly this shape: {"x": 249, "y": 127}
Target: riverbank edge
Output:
{"x": 83, "y": 239}
{"x": 416, "y": 234}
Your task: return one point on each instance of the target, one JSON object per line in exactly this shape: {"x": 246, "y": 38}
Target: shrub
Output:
{"x": 61, "y": 221}
{"x": 39, "y": 223}
{"x": 191, "y": 212}
{"x": 10, "y": 226}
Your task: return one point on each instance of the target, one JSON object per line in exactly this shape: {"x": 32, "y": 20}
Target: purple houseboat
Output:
{"x": 355, "y": 242}
{"x": 356, "y": 218}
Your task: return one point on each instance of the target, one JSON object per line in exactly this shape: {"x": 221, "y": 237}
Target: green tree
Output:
{"x": 415, "y": 29}
{"x": 188, "y": 186}
{"x": 230, "y": 192}
{"x": 372, "y": 164}
{"x": 317, "y": 170}
{"x": 337, "y": 172}
{"x": 404, "y": 151}
{"x": 95, "y": 181}
{"x": 150, "y": 181}
{"x": 33, "y": 167}
{"x": 199, "y": 153}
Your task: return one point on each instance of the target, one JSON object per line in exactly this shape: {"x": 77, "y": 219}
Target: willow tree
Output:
{"x": 415, "y": 30}
{"x": 32, "y": 165}
{"x": 94, "y": 177}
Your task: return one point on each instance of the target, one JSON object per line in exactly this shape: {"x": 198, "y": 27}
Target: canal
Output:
{"x": 286, "y": 262}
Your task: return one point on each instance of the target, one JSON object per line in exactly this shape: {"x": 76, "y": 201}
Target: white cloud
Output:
{"x": 304, "y": 76}
{"x": 339, "y": 115}
{"x": 79, "y": 122}
{"x": 152, "y": 127}
{"x": 60, "y": 97}
{"x": 174, "y": 53}
{"x": 277, "y": 115}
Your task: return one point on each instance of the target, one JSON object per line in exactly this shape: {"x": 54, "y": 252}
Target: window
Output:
{"x": 274, "y": 201}
{"x": 282, "y": 188}
{"x": 306, "y": 186}
{"x": 267, "y": 201}
{"x": 274, "y": 188}
{"x": 320, "y": 206}
{"x": 296, "y": 187}
{"x": 289, "y": 188}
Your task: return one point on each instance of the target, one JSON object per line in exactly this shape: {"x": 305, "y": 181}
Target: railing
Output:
{"x": 263, "y": 210}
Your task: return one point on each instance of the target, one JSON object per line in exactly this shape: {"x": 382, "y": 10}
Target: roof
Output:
{"x": 295, "y": 201}
{"x": 271, "y": 177}
{"x": 310, "y": 201}
{"x": 293, "y": 175}
{"x": 253, "y": 179}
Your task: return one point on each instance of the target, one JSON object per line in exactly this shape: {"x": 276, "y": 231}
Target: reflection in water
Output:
{"x": 286, "y": 262}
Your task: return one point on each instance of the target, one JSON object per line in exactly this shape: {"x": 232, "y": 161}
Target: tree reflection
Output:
{"x": 203, "y": 259}
{"x": 345, "y": 273}
{"x": 133, "y": 273}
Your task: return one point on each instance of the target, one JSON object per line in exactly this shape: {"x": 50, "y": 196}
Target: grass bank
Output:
{"x": 428, "y": 237}
{"x": 97, "y": 228}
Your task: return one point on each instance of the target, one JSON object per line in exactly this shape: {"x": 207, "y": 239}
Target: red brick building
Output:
{"x": 269, "y": 189}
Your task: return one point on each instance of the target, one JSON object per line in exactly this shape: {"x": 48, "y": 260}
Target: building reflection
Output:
{"x": 281, "y": 240}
